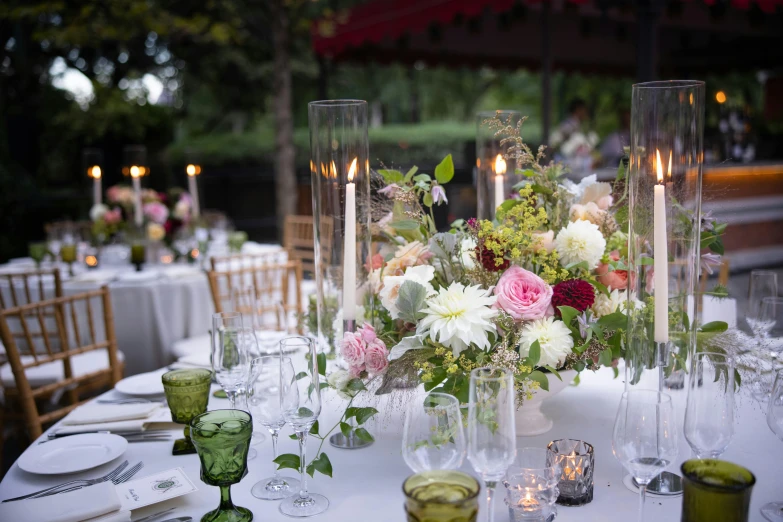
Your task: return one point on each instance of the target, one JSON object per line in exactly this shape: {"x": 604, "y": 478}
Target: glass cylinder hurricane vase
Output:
{"x": 495, "y": 167}
{"x": 664, "y": 214}
{"x": 339, "y": 167}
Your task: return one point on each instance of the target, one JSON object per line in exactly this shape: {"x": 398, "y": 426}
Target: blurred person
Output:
{"x": 612, "y": 146}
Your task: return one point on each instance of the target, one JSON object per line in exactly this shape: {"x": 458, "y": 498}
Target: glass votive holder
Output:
{"x": 575, "y": 460}
{"x": 715, "y": 490}
{"x": 531, "y": 486}
{"x": 441, "y": 496}
{"x": 187, "y": 394}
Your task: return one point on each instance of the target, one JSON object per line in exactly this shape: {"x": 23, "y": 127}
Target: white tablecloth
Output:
{"x": 367, "y": 482}
{"x": 150, "y": 315}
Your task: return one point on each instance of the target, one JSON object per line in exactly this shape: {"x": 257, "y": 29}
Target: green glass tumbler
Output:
{"x": 222, "y": 440}
{"x": 441, "y": 496}
{"x": 187, "y": 393}
{"x": 715, "y": 490}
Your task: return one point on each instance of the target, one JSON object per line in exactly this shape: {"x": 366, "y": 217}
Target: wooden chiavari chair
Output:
{"x": 58, "y": 228}
{"x": 239, "y": 261}
{"x": 270, "y": 285}
{"x": 299, "y": 241}
{"x": 65, "y": 347}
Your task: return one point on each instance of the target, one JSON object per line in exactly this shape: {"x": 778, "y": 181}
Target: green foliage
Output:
{"x": 410, "y": 301}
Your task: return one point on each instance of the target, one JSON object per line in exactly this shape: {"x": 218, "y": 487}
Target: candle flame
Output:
{"x": 352, "y": 170}
{"x": 500, "y": 165}
{"x": 669, "y": 172}
{"x": 95, "y": 172}
{"x": 658, "y": 165}
{"x": 91, "y": 260}
{"x": 333, "y": 170}
{"x": 135, "y": 171}
{"x": 192, "y": 170}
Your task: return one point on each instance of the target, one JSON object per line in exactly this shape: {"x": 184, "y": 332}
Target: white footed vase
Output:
{"x": 530, "y": 420}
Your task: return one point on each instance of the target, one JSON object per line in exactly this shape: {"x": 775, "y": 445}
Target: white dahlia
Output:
{"x": 391, "y": 286}
{"x": 580, "y": 241}
{"x": 459, "y": 316}
{"x": 553, "y": 337}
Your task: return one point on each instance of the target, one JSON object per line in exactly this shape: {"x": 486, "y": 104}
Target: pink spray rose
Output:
{"x": 376, "y": 357}
{"x": 157, "y": 212}
{"x": 616, "y": 279}
{"x": 352, "y": 349}
{"x": 368, "y": 333}
{"x": 113, "y": 216}
{"x": 523, "y": 295}
{"x": 373, "y": 263}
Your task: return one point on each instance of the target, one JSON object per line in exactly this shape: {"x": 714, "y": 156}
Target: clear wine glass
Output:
{"x": 763, "y": 283}
{"x": 433, "y": 438}
{"x": 709, "y": 414}
{"x": 230, "y": 360}
{"x": 770, "y": 322}
{"x": 300, "y": 402}
{"x": 263, "y": 398}
{"x": 491, "y": 428}
{"x": 773, "y": 511}
{"x": 645, "y": 437}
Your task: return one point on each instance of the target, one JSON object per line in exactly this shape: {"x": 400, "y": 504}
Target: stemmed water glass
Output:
{"x": 771, "y": 317}
{"x": 230, "y": 353}
{"x": 433, "y": 438}
{"x": 709, "y": 415}
{"x": 773, "y": 511}
{"x": 645, "y": 437}
{"x": 491, "y": 428}
{"x": 300, "y": 402}
{"x": 263, "y": 399}
{"x": 763, "y": 283}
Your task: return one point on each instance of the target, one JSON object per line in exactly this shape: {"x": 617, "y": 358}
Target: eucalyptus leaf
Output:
{"x": 413, "y": 342}
{"x": 410, "y": 301}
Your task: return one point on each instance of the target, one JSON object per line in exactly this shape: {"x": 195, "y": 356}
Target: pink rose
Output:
{"x": 356, "y": 371}
{"x": 373, "y": 263}
{"x": 616, "y": 279}
{"x": 112, "y": 216}
{"x": 157, "y": 212}
{"x": 523, "y": 295}
{"x": 368, "y": 333}
{"x": 376, "y": 357}
{"x": 352, "y": 349}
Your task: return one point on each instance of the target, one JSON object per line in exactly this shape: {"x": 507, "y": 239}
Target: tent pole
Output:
{"x": 546, "y": 71}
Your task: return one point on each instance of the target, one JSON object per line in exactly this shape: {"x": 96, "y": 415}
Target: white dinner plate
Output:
{"x": 72, "y": 454}
{"x": 141, "y": 384}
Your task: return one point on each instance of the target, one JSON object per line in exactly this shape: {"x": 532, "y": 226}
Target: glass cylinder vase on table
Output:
{"x": 762, "y": 284}
{"x": 300, "y": 402}
{"x": 263, "y": 399}
{"x": 715, "y": 490}
{"x": 339, "y": 167}
{"x": 491, "y": 427}
{"x": 532, "y": 486}
{"x": 222, "y": 440}
{"x": 644, "y": 439}
{"x": 230, "y": 360}
{"x": 709, "y": 414}
{"x": 495, "y": 167}
{"x": 432, "y": 436}
{"x": 187, "y": 395}
{"x": 664, "y": 214}
{"x": 773, "y": 511}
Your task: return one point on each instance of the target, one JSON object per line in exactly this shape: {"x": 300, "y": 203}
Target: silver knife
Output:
{"x": 120, "y": 433}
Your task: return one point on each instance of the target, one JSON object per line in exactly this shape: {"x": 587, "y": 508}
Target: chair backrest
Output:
{"x": 239, "y": 261}
{"x": 298, "y": 239}
{"x": 269, "y": 284}
{"x": 64, "y": 340}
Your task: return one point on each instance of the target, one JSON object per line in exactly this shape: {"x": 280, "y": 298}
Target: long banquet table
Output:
{"x": 367, "y": 482}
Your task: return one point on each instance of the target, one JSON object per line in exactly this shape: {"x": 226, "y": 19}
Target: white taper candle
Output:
{"x": 193, "y": 189}
{"x": 349, "y": 252}
{"x": 137, "y": 214}
{"x": 660, "y": 257}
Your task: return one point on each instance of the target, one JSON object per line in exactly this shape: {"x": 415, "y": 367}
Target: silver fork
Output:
{"x": 81, "y": 482}
{"x": 126, "y": 476}
{"x": 127, "y": 401}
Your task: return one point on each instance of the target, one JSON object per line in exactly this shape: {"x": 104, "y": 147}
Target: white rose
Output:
{"x": 97, "y": 211}
{"x": 339, "y": 380}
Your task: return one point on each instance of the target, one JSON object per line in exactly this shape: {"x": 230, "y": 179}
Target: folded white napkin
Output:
{"x": 92, "y": 413}
{"x": 74, "y": 506}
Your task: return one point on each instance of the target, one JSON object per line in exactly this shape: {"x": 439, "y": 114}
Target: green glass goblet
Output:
{"x": 187, "y": 393}
{"x": 715, "y": 490}
{"x": 68, "y": 255}
{"x": 441, "y": 496}
{"x": 38, "y": 252}
{"x": 138, "y": 255}
{"x": 222, "y": 440}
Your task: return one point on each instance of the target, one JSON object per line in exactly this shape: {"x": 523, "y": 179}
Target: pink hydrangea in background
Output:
{"x": 156, "y": 212}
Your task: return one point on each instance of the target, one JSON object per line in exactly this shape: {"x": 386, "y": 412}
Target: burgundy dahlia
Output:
{"x": 575, "y": 293}
{"x": 487, "y": 259}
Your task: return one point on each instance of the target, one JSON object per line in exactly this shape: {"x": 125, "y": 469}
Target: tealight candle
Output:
{"x": 576, "y": 461}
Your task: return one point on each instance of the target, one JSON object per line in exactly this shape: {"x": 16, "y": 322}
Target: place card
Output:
{"x": 154, "y": 488}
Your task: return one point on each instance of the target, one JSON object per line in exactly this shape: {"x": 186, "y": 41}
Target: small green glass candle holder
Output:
{"x": 138, "y": 255}
{"x": 441, "y": 496}
{"x": 715, "y": 490}
{"x": 222, "y": 440}
{"x": 38, "y": 252}
{"x": 187, "y": 393}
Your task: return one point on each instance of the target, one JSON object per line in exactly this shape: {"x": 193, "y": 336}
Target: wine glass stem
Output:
{"x": 232, "y": 399}
{"x": 642, "y": 493}
{"x": 274, "y": 449}
{"x": 490, "y": 486}
{"x": 302, "y": 436}
{"x": 225, "y": 499}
